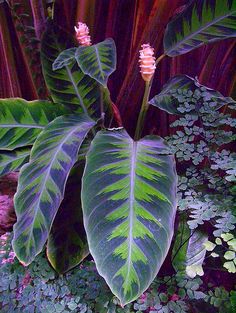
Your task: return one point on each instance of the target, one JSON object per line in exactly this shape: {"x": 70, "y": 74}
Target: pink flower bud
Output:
{"x": 147, "y": 62}
{"x": 82, "y": 34}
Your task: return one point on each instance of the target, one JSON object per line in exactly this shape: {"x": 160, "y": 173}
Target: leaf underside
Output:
{"x": 21, "y": 121}
{"x": 42, "y": 182}
{"x": 202, "y": 22}
{"x": 128, "y": 201}
{"x": 98, "y": 61}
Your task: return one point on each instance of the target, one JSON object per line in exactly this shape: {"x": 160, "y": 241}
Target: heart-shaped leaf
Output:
{"x": 129, "y": 205}
{"x": 21, "y": 121}
{"x": 184, "y": 89}
{"x": 42, "y": 182}
{"x": 68, "y": 85}
{"x": 67, "y": 242}
{"x": 98, "y": 61}
{"x": 202, "y": 22}
{"x": 65, "y": 58}
{"x": 11, "y": 161}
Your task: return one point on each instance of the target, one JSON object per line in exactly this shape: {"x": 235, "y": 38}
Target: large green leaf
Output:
{"x": 42, "y": 182}
{"x": 67, "y": 243}
{"x": 184, "y": 89}
{"x": 129, "y": 204}
{"x": 21, "y": 121}
{"x": 11, "y": 161}
{"x": 202, "y": 22}
{"x": 98, "y": 61}
{"x": 67, "y": 85}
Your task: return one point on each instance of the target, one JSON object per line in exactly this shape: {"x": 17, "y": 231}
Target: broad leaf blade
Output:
{"x": 11, "y": 161}
{"x": 182, "y": 89}
{"x": 65, "y": 58}
{"x": 202, "y": 22}
{"x": 67, "y": 243}
{"x": 21, "y": 121}
{"x": 98, "y": 61}
{"x": 67, "y": 85}
{"x": 42, "y": 182}
{"x": 129, "y": 217}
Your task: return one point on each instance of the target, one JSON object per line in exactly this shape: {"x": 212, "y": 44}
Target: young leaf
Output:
{"x": 11, "y": 161}
{"x": 202, "y": 22}
{"x": 42, "y": 182}
{"x": 129, "y": 205}
{"x": 67, "y": 243}
{"x": 180, "y": 89}
{"x": 21, "y": 121}
{"x": 65, "y": 58}
{"x": 67, "y": 85}
{"x": 98, "y": 61}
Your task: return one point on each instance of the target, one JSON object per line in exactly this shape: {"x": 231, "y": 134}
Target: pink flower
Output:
{"x": 147, "y": 62}
{"x": 82, "y": 34}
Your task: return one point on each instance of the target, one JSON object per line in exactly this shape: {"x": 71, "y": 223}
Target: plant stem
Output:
{"x": 160, "y": 58}
{"x": 143, "y": 111}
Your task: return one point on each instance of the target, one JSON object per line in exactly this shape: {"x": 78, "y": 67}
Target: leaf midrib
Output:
{"x": 199, "y": 30}
{"x": 57, "y": 150}
{"x": 131, "y": 204}
{"x": 99, "y": 62}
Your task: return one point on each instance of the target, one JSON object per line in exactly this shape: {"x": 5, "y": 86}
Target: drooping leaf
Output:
{"x": 65, "y": 58}
{"x": 11, "y": 161}
{"x": 21, "y": 121}
{"x": 180, "y": 247}
{"x": 98, "y": 61}
{"x": 189, "y": 250}
{"x": 42, "y": 182}
{"x": 196, "y": 253}
{"x": 67, "y": 85}
{"x": 67, "y": 243}
{"x": 129, "y": 204}
{"x": 181, "y": 89}
{"x": 202, "y": 22}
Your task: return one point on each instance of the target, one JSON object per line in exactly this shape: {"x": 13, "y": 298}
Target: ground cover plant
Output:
{"x": 125, "y": 215}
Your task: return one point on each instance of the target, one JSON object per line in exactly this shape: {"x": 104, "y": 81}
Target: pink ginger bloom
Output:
{"x": 147, "y": 62}
{"x": 82, "y": 34}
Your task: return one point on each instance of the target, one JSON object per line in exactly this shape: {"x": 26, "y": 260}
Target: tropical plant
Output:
{"x": 127, "y": 185}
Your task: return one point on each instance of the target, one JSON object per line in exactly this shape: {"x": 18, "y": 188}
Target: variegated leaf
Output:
{"x": 98, "y": 61}
{"x": 181, "y": 88}
{"x": 67, "y": 85}
{"x": 202, "y": 22}
{"x": 42, "y": 182}
{"x": 21, "y": 121}
{"x": 65, "y": 58}
{"x": 11, "y": 161}
{"x": 129, "y": 205}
